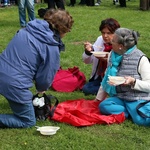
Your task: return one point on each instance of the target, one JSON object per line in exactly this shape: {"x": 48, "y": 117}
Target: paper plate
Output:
{"x": 48, "y": 130}
{"x": 100, "y": 54}
{"x": 117, "y": 80}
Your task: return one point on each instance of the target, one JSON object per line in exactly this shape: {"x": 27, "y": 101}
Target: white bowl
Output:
{"x": 48, "y": 130}
{"x": 117, "y": 80}
{"x": 100, "y": 54}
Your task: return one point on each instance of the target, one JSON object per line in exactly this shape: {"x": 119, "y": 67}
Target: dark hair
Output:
{"x": 59, "y": 20}
{"x": 109, "y": 23}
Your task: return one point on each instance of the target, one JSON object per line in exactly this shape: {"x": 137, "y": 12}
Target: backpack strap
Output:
{"x": 139, "y": 112}
{"x": 48, "y": 105}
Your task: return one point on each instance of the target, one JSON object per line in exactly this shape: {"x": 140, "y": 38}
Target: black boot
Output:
{"x": 82, "y": 2}
{"x": 122, "y": 3}
{"x": 72, "y": 3}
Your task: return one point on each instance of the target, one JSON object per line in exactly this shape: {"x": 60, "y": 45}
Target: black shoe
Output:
{"x": 81, "y": 3}
{"x": 4, "y": 5}
{"x": 71, "y": 5}
{"x": 123, "y": 6}
{"x": 114, "y": 2}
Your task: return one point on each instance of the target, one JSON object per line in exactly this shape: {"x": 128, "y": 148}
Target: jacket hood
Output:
{"x": 41, "y": 31}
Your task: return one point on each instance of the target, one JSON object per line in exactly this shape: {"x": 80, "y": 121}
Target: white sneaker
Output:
{"x": 97, "y": 4}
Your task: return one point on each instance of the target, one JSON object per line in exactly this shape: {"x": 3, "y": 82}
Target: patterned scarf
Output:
{"x": 112, "y": 71}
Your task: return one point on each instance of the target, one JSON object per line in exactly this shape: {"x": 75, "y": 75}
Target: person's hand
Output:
{"x": 129, "y": 80}
{"x": 97, "y": 100}
{"x": 41, "y": 92}
{"x": 88, "y": 46}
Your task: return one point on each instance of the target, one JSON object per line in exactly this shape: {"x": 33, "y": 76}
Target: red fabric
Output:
{"x": 80, "y": 76}
{"x": 62, "y": 80}
{"x": 83, "y": 112}
{"x": 108, "y": 47}
{"x": 103, "y": 64}
{"x": 68, "y": 80}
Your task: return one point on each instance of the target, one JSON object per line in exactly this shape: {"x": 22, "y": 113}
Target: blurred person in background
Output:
{"x": 98, "y": 3}
{"x": 52, "y": 4}
{"x": 72, "y": 3}
{"x": 6, "y": 3}
{"x": 122, "y": 3}
{"x": 22, "y": 6}
{"x": 56, "y": 4}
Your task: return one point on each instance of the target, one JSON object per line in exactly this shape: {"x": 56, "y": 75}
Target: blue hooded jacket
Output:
{"x": 32, "y": 55}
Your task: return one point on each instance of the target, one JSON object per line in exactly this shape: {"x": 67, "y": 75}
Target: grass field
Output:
{"x": 125, "y": 136}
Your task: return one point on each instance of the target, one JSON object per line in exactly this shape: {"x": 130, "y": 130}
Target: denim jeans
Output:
{"x": 92, "y": 87}
{"x": 23, "y": 116}
{"x": 22, "y": 5}
{"x": 6, "y": 2}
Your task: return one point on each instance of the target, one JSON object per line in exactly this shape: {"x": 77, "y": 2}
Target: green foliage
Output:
{"x": 126, "y": 136}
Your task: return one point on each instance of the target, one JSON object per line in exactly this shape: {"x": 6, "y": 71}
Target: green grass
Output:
{"x": 125, "y": 136}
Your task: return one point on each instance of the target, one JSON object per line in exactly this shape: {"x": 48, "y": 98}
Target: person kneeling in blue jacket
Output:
{"x": 32, "y": 56}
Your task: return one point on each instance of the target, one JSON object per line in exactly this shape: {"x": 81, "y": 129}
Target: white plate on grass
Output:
{"x": 48, "y": 130}
{"x": 100, "y": 54}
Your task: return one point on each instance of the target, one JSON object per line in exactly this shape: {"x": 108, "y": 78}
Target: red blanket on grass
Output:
{"x": 83, "y": 112}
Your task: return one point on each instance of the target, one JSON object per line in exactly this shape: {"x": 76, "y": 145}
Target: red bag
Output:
{"x": 80, "y": 76}
{"x": 83, "y": 112}
{"x": 68, "y": 80}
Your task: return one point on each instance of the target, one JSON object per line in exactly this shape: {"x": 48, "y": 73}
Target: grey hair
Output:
{"x": 127, "y": 37}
